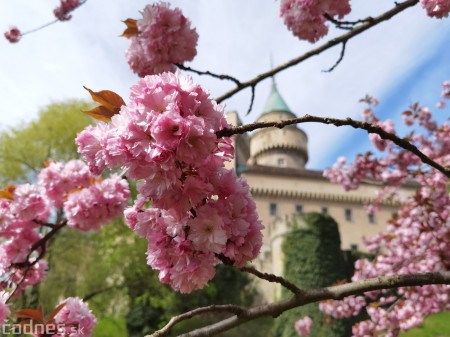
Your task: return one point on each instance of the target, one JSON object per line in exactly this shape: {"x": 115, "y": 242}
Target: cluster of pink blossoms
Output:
{"x": 4, "y": 309}
{"x": 25, "y": 212}
{"x": 13, "y": 35}
{"x": 416, "y": 240}
{"x": 88, "y": 203}
{"x": 164, "y": 38}
{"x": 306, "y": 18}
{"x": 76, "y": 317}
{"x": 303, "y": 326}
{"x": 65, "y": 7}
{"x": 437, "y": 8}
{"x": 198, "y": 211}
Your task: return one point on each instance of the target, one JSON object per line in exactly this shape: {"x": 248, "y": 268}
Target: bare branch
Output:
{"x": 334, "y": 42}
{"x": 273, "y": 278}
{"x": 227, "y": 132}
{"x": 252, "y": 100}
{"x": 341, "y": 57}
{"x": 334, "y": 292}
{"x": 229, "y": 308}
{"x": 51, "y": 22}
{"x": 264, "y": 276}
{"x": 220, "y": 77}
{"x": 347, "y": 25}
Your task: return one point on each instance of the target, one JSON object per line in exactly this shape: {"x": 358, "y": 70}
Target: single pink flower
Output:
{"x": 13, "y": 35}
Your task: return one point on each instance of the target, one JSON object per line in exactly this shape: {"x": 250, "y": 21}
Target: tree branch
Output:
{"x": 227, "y": 132}
{"x": 275, "y": 279}
{"x": 334, "y": 292}
{"x": 220, "y": 77}
{"x": 341, "y": 57}
{"x": 343, "y": 38}
{"x": 230, "y": 308}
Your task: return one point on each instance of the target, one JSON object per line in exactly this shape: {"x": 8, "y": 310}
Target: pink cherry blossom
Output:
{"x": 166, "y": 138}
{"x": 416, "y": 240}
{"x": 4, "y": 311}
{"x": 92, "y": 207}
{"x": 303, "y": 326}
{"x": 59, "y": 179}
{"x": 306, "y": 19}
{"x": 78, "y": 320}
{"x": 165, "y": 38}
{"x": 13, "y": 35}
{"x": 65, "y": 7}
{"x": 437, "y": 8}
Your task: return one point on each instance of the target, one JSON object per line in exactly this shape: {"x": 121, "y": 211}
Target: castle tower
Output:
{"x": 275, "y": 147}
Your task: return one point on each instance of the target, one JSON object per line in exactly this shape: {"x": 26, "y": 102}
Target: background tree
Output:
{"x": 312, "y": 259}
{"x": 24, "y": 149}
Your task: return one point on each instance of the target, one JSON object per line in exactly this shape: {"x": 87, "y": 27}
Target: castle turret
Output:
{"x": 285, "y": 147}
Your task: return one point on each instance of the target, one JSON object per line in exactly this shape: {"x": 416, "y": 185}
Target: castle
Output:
{"x": 273, "y": 162}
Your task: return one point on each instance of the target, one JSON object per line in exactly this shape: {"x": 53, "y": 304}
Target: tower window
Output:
{"x": 348, "y": 214}
{"x": 324, "y": 210}
{"x": 354, "y": 247}
{"x": 371, "y": 218}
{"x": 281, "y": 162}
{"x": 298, "y": 209}
{"x": 273, "y": 208}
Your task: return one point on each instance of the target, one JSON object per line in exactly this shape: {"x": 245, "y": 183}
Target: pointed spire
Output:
{"x": 275, "y": 102}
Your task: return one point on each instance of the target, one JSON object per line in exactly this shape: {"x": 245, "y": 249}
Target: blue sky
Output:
{"x": 400, "y": 61}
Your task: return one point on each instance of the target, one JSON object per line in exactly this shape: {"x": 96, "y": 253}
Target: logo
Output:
{"x": 33, "y": 322}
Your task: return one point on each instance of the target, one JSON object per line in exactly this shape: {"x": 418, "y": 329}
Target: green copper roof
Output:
{"x": 275, "y": 102}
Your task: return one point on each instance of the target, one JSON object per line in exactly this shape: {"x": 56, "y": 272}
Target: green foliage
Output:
{"x": 312, "y": 259}
{"x": 110, "y": 327}
{"x": 152, "y": 303}
{"x": 434, "y": 326}
{"x": 24, "y": 149}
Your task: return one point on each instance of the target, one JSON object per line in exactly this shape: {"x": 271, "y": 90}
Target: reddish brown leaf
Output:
{"x": 92, "y": 181}
{"x": 407, "y": 113}
{"x": 100, "y": 113}
{"x": 55, "y": 312}
{"x": 8, "y": 192}
{"x": 110, "y": 104}
{"x": 107, "y": 98}
{"x": 131, "y": 29}
{"x": 35, "y": 314}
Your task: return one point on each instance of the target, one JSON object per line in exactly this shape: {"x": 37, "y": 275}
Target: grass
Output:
{"x": 437, "y": 325}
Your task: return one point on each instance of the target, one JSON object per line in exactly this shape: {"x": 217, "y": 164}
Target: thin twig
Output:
{"x": 51, "y": 22}
{"x": 227, "y": 132}
{"x": 220, "y": 77}
{"x": 41, "y": 243}
{"x": 341, "y": 57}
{"x": 252, "y": 100}
{"x": 264, "y": 276}
{"x": 334, "y": 292}
{"x": 274, "y": 279}
{"x": 229, "y": 308}
{"x": 348, "y": 25}
{"x": 356, "y": 31}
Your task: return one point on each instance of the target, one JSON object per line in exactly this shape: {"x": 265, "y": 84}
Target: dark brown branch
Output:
{"x": 348, "y": 25}
{"x": 335, "y": 292}
{"x": 220, "y": 77}
{"x": 228, "y": 308}
{"x": 341, "y": 57}
{"x": 227, "y": 132}
{"x": 40, "y": 244}
{"x": 252, "y": 100}
{"x": 334, "y": 42}
{"x": 274, "y": 279}
{"x": 264, "y": 276}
